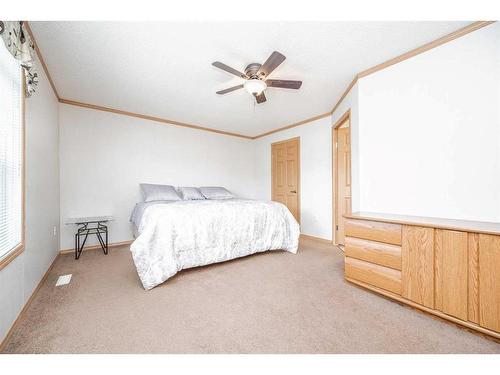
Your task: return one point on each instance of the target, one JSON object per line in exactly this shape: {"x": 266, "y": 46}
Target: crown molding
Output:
{"x": 42, "y": 61}
{"x": 426, "y": 47}
{"x": 308, "y": 120}
{"x": 414, "y": 52}
{"x": 405, "y": 56}
{"x": 148, "y": 117}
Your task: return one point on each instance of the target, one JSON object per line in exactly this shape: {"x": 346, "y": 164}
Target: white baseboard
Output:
{"x": 94, "y": 247}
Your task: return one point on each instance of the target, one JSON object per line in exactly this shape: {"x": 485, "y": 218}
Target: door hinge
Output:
{"x": 336, "y": 227}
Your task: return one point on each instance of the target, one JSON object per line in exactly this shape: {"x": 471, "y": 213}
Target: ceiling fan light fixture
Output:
{"x": 255, "y": 86}
{"x": 256, "y": 77}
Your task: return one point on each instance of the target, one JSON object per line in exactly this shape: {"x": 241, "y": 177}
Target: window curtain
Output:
{"x": 19, "y": 44}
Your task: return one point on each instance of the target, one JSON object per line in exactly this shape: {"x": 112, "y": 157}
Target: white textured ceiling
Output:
{"x": 164, "y": 69}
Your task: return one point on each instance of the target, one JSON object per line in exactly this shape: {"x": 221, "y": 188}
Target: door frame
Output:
{"x": 298, "y": 174}
{"x": 335, "y": 127}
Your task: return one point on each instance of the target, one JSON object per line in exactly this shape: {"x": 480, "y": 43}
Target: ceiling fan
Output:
{"x": 255, "y": 77}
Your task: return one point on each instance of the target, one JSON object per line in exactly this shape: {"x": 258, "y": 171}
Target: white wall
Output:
{"x": 315, "y": 173}
{"x": 351, "y": 102}
{"x": 429, "y": 132}
{"x": 104, "y": 157}
{"x": 315, "y": 167}
{"x": 425, "y": 141}
{"x": 20, "y": 277}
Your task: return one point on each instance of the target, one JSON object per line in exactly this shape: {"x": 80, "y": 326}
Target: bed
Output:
{"x": 172, "y": 236}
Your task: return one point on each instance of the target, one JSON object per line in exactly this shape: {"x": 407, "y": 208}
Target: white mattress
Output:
{"x": 184, "y": 234}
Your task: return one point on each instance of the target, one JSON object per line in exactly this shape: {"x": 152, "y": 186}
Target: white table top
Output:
{"x": 88, "y": 219}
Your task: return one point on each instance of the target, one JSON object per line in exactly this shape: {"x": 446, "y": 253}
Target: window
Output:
{"x": 11, "y": 158}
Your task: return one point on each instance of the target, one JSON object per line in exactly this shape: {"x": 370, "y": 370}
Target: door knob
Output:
{"x": 293, "y": 191}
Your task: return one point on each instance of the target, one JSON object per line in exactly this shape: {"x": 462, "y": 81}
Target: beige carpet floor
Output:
{"x": 273, "y": 302}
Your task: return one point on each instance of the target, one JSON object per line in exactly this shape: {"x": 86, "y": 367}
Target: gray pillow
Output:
{"x": 152, "y": 192}
{"x": 216, "y": 192}
{"x": 190, "y": 193}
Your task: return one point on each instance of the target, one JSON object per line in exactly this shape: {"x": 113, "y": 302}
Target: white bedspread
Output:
{"x": 187, "y": 234}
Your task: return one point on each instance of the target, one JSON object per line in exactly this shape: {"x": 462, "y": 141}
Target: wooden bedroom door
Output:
{"x": 342, "y": 147}
{"x": 285, "y": 171}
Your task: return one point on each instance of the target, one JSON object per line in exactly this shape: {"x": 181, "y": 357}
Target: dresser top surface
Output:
{"x": 435, "y": 222}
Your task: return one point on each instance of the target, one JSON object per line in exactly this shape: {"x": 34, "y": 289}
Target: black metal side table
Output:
{"x": 90, "y": 225}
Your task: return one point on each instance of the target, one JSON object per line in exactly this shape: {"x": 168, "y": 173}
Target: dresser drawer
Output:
{"x": 373, "y": 230}
{"x": 373, "y": 274}
{"x": 375, "y": 252}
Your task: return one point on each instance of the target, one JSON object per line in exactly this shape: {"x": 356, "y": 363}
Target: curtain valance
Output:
{"x": 19, "y": 44}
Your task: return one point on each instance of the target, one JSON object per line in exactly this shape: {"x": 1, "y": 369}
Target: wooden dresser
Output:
{"x": 449, "y": 268}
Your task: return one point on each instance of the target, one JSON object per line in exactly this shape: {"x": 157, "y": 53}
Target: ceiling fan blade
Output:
{"x": 271, "y": 63}
{"x": 228, "y": 69}
{"x": 260, "y": 98}
{"x": 225, "y": 91}
{"x": 284, "y": 83}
